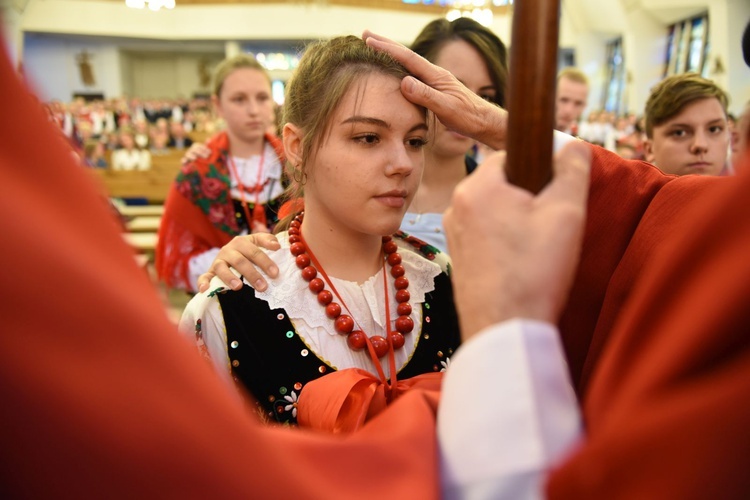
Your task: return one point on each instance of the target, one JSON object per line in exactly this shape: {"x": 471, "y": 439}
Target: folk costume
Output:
{"x": 212, "y": 200}
{"x": 274, "y": 342}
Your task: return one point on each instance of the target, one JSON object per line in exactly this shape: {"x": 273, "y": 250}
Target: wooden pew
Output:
{"x": 151, "y": 185}
{"x": 143, "y": 224}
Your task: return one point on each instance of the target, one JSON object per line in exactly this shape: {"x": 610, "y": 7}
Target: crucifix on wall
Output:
{"x": 204, "y": 73}
{"x": 85, "y": 69}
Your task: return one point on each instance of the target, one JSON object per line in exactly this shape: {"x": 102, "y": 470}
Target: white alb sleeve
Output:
{"x": 507, "y": 413}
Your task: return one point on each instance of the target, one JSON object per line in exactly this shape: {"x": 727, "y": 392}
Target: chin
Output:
{"x": 387, "y": 226}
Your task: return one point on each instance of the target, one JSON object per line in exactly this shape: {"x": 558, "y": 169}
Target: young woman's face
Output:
{"x": 245, "y": 104}
{"x": 695, "y": 141}
{"x": 466, "y": 64}
{"x": 365, "y": 174}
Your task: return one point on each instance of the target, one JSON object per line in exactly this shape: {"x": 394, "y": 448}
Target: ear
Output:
{"x": 292, "y": 138}
{"x": 648, "y": 150}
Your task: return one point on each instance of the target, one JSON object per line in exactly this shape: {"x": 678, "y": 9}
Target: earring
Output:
{"x": 299, "y": 175}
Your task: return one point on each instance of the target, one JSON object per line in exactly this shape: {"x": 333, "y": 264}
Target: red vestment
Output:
{"x": 633, "y": 208}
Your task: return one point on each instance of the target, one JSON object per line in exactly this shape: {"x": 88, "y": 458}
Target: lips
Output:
{"x": 395, "y": 198}
{"x": 701, "y": 168}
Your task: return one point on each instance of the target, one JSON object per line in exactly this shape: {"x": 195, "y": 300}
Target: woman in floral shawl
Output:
{"x": 237, "y": 189}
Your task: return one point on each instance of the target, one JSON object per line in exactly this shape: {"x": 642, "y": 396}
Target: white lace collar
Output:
{"x": 289, "y": 291}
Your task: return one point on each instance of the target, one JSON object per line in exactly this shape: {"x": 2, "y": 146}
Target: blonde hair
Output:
{"x": 227, "y": 66}
{"x": 573, "y": 74}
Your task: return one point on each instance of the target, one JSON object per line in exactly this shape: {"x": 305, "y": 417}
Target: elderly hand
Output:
{"x": 243, "y": 253}
{"x": 457, "y": 107}
{"x": 514, "y": 254}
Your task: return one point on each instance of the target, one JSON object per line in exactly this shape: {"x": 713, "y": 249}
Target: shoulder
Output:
{"x": 203, "y": 304}
{"x": 424, "y": 250}
{"x": 420, "y": 269}
{"x": 283, "y": 259}
{"x": 206, "y": 177}
{"x": 218, "y": 146}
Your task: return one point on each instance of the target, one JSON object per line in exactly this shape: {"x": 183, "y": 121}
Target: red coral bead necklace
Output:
{"x": 344, "y": 323}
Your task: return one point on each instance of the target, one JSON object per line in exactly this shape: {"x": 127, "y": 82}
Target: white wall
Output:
{"x": 727, "y": 21}
{"x": 10, "y": 20}
{"x": 218, "y": 22}
{"x": 156, "y": 75}
{"x": 104, "y": 26}
{"x": 51, "y": 67}
{"x": 645, "y": 48}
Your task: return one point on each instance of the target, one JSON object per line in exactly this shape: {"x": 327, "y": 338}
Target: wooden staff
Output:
{"x": 531, "y": 94}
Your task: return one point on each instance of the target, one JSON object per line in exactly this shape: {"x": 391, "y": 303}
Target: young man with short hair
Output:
{"x": 572, "y": 96}
{"x": 686, "y": 126}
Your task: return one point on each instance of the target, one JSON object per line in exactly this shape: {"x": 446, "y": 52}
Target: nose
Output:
{"x": 700, "y": 143}
{"x": 252, "y": 107}
{"x": 403, "y": 161}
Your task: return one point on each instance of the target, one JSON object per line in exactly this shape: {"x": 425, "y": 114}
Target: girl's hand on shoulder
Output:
{"x": 197, "y": 150}
{"x": 244, "y": 254}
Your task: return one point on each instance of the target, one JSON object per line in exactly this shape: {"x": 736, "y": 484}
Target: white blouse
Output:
{"x": 134, "y": 159}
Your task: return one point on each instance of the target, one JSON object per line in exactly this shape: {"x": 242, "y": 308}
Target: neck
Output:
{"x": 344, "y": 254}
{"x": 244, "y": 148}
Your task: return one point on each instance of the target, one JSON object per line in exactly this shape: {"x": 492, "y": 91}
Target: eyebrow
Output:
{"x": 712, "y": 122}
{"x": 380, "y": 123}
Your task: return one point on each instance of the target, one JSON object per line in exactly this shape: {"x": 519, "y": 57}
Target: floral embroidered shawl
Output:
{"x": 199, "y": 213}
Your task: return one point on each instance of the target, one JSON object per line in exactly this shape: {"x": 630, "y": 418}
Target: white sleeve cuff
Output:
{"x": 199, "y": 264}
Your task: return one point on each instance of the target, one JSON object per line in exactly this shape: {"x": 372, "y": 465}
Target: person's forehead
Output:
{"x": 372, "y": 92}
{"x": 568, "y": 86}
{"x": 244, "y": 77}
{"x": 697, "y": 112}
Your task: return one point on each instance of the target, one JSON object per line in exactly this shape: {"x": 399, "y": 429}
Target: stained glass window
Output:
{"x": 688, "y": 46}
{"x": 614, "y": 91}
